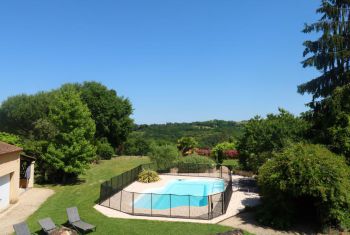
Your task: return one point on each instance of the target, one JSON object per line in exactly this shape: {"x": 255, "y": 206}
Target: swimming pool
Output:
{"x": 180, "y": 192}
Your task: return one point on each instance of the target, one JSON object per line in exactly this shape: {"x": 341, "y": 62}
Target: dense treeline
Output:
{"x": 207, "y": 133}
{"x": 302, "y": 163}
{"x": 64, "y": 128}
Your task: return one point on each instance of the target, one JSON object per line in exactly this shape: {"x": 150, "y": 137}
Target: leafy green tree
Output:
{"x": 164, "y": 156}
{"x": 330, "y": 53}
{"x": 261, "y": 137}
{"x": 331, "y": 123}
{"x": 339, "y": 121}
{"x": 19, "y": 114}
{"x": 219, "y": 149}
{"x": 11, "y": 139}
{"x": 186, "y": 144}
{"x": 110, "y": 112}
{"x": 308, "y": 182}
{"x": 137, "y": 145}
{"x": 70, "y": 151}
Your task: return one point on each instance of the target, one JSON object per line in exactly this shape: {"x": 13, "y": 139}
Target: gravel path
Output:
{"x": 27, "y": 204}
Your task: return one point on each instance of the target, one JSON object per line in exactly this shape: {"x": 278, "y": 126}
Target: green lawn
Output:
{"x": 85, "y": 194}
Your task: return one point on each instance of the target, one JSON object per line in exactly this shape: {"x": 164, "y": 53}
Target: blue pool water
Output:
{"x": 177, "y": 193}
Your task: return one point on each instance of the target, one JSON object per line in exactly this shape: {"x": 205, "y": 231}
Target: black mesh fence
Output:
{"x": 114, "y": 196}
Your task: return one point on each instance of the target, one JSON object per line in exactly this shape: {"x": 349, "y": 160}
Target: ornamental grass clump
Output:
{"x": 148, "y": 176}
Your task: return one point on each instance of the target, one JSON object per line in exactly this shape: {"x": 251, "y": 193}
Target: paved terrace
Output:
{"x": 29, "y": 201}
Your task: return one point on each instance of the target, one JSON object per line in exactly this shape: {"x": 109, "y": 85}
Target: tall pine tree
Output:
{"x": 330, "y": 53}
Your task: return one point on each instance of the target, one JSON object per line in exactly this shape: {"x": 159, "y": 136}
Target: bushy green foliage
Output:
{"x": 163, "y": 155}
{"x": 261, "y": 137}
{"x": 231, "y": 163}
{"x": 19, "y": 114}
{"x": 305, "y": 179}
{"x": 194, "y": 163}
{"x": 148, "y": 176}
{"x": 331, "y": 122}
{"x": 137, "y": 145}
{"x": 70, "y": 151}
{"x": 48, "y": 125}
{"x": 339, "y": 121}
{"x": 196, "y": 159}
{"x": 110, "y": 112}
{"x": 186, "y": 145}
{"x": 104, "y": 150}
{"x": 219, "y": 149}
{"x": 11, "y": 139}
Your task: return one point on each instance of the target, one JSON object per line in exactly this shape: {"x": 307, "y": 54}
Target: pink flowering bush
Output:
{"x": 231, "y": 153}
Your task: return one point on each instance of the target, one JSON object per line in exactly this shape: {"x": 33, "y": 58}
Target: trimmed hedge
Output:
{"x": 194, "y": 164}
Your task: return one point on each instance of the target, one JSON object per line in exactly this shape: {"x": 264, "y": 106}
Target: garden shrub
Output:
{"x": 220, "y": 151}
{"x": 231, "y": 163}
{"x": 203, "y": 151}
{"x": 105, "y": 150}
{"x": 194, "y": 163}
{"x": 230, "y": 153}
{"x": 148, "y": 176}
{"x": 263, "y": 136}
{"x": 305, "y": 181}
{"x": 163, "y": 156}
{"x": 137, "y": 145}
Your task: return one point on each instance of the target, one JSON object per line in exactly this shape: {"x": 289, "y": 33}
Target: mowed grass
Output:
{"x": 85, "y": 195}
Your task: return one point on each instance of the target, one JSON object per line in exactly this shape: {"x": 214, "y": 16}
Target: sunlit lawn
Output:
{"x": 85, "y": 194}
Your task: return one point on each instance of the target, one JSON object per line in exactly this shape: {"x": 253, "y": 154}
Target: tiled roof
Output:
{"x": 8, "y": 148}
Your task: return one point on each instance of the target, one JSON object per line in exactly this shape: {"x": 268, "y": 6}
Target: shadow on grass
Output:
{"x": 65, "y": 225}
{"x": 248, "y": 217}
{"x": 72, "y": 182}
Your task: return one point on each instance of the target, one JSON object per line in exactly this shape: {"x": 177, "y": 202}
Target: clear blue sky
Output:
{"x": 176, "y": 60}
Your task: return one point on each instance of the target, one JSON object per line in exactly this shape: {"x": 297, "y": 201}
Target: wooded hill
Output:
{"x": 207, "y": 133}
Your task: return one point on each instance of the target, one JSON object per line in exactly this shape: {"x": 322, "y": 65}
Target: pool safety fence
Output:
{"x": 113, "y": 195}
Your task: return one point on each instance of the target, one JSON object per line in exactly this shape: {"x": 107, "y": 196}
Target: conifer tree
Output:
{"x": 330, "y": 53}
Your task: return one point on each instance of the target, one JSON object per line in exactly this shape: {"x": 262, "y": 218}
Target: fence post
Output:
{"x": 170, "y": 204}
{"x": 211, "y": 206}
{"x": 223, "y": 201}
{"x": 122, "y": 180}
{"x": 208, "y": 207}
{"x": 121, "y": 198}
{"x": 189, "y": 206}
{"x": 110, "y": 193}
{"x": 220, "y": 171}
{"x": 151, "y": 205}
{"x": 133, "y": 206}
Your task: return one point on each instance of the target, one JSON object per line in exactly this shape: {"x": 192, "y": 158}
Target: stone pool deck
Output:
{"x": 238, "y": 201}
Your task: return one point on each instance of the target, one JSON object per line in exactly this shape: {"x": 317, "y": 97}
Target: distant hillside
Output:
{"x": 207, "y": 133}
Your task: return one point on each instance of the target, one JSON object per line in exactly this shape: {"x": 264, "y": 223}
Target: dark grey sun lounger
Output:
{"x": 21, "y": 229}
{"x": 47, "y": 225}
{"x": 76, "y": 222}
